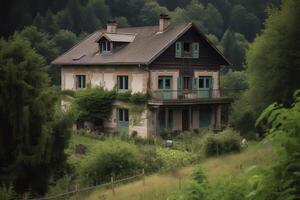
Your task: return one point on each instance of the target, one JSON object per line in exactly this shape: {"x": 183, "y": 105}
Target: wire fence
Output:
{"x": 110, "y": 185}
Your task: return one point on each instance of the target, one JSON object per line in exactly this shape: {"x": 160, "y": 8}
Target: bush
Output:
{"x": 222, "y": 143}
{"x": 151, "y": 160}
{"x": 7, "y": 193}
{"x": 94, "y": 104}
{"x": 173, "y": 158}
{"x": 112, "y": 158}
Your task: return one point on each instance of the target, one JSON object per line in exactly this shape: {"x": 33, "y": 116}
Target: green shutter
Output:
{"x": 179, "y": 83}
{"x": 178, "y": 49}
{"x": 195, "y": 84}
{"x": 195, "y": 50}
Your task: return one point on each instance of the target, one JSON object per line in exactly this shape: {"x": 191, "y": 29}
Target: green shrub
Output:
{"x": 112, "y": 158}
{"x": 123, "y": 96}
{"x": 151, "y": 160}
{"x": 61, "y": 186}
{"x": 138, "y": 97}
{"x": 7, "y": 193}
{"x": 94, "y": 104}
{"x": 173, "y": 158}
{"x": 222, "y": 143}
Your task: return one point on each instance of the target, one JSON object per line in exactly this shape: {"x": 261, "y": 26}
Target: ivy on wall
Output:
{"x": 95, "y": 104}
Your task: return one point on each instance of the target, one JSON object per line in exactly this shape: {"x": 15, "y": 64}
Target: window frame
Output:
{"x": 205, "y": 83}
{"x": 122, "y": 80}
{"x": 123, "y": 115}
{"x": 80, "y": 80}
{"x": 104, "y": 46}
{"x": 164, "y": 79}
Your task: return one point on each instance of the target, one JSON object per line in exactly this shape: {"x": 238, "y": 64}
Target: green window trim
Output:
{"x": 195, "y": 47}
{"x": 194, "y": 50}
{"x": 178, "y": 50}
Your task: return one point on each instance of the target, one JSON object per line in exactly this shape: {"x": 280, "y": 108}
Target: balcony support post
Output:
{"x": 156, "y": 121}
{"x": 190, "y": 118}
{"x": 166, "y": 117}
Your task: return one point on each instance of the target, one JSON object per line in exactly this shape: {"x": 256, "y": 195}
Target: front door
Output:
{"x": 185, "y": 119}
{"x": 122, "y": 122}
{"x": 205, "y": 114}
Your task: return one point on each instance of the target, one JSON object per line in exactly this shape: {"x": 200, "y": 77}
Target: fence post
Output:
{"x": 76, "y": 191}
{"x": 143, "y": 176}
{"x": 112, "y": 185}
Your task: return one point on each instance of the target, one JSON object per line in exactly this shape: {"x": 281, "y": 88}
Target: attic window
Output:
{"x": 187, "y": 49}
{"x": 104, "y": 46}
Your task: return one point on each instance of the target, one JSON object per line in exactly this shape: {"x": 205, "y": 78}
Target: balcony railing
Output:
{"x": 187, "y": 94}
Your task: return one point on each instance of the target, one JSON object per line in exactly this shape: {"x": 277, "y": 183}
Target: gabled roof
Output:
{"x": 146, "y": 46}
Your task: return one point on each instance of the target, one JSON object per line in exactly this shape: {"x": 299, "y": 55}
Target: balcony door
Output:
{"x": 203, "y": 85}
{"x": 165, "y": 87}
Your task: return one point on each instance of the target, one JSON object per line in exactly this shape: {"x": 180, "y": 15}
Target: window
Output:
{"x": 186, "y": 83}
{"x": 122, "y": 82}
{"x": 164, "y": 82}
{"x": 187, "y": 50}
{"x": 123, "y": 115}
{"x": 205, "y": 82}
{"x": 80, "y": 81}
{"x": 104, "y": 46}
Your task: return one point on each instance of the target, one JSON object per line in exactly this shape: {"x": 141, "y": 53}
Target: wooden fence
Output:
{"x": 110, "y": 184}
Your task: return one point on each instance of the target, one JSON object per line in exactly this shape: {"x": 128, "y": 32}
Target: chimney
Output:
{"x": 164, "y": 22}
{"x": 111, "y": 26}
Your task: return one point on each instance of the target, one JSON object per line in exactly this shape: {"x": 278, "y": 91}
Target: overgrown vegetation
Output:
{"x": 95, "y": 104}
{"x": 225, "y": 142}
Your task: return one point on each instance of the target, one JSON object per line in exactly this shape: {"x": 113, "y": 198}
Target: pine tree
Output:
{"x": 33, "y": 132}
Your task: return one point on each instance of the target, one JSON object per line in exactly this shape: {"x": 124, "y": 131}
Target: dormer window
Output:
{"x": 104, "y": 46}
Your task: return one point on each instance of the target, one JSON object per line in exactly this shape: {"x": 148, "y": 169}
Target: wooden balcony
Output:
{"x": 189, "y": 97}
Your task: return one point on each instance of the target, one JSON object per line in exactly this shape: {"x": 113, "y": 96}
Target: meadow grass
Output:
{"x": 161, "y": 185}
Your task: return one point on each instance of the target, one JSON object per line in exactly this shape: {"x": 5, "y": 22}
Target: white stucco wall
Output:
{"x": 68, "y": 81}
{"x": 109, "y": 82}
{"x": 97, "y": 79}
{"x": 137, "y": 83}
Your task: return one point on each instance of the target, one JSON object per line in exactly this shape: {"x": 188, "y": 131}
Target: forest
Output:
{"x": 261, "y": 38}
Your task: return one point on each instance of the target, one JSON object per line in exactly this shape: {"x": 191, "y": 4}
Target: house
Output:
{"x": 175, "y": 63}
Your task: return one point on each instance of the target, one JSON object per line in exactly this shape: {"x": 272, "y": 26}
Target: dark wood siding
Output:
{"x": 208, "y": 58}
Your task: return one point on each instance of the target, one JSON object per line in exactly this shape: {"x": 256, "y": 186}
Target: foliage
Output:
{"x": 272, "y": 64}
{"x": 62, "y": 185}
{"x": 284, "y": 132}
{"x": 112, "y": 158}
{"x": 150, "y": 13}
{"x": 33, "y": 130}
{"x": 235, "y": 46}
{"x": 94, "y": 104}
{"x": 222, "y": 143}
{"x": 233, "y": 83}
{"x": 151, "y": 160}
{"x": 198, "y": 175}
{"x": 173, "y": 159}
{"x": 7, "y": 192}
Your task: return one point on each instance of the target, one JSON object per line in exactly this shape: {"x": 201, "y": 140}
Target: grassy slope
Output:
{"x": 160, "y": 186}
